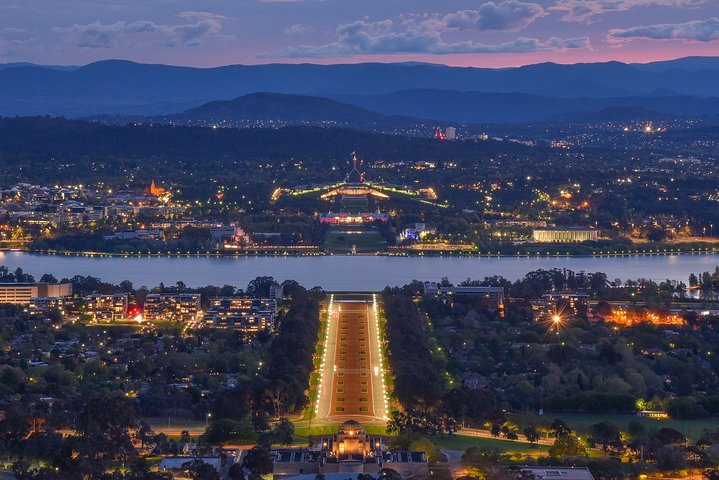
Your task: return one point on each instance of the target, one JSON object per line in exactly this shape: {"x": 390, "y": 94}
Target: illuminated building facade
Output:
{"x": 573, "y": 303}
{"x": 249, "y": 315}
{"x": 564, "y": 234}
{"x": 355, "y": 186}
{"x": 22, "y": 293}
{"x": 350, "y": 450}
{"x": 176, "y": 307}
{"x": 107, "y": 307}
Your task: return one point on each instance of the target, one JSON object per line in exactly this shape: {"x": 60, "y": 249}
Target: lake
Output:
{"x": 340, "y": 272}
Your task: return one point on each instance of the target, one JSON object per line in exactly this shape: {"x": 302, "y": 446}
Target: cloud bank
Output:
{"x": 363, "y": 37}
{"x": 697, "y": 30}
{"x": 583, "y": 10}
{"x": 200, "y": 25}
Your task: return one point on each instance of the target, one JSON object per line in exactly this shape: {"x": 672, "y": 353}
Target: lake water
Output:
{"x": 355, "y": 273}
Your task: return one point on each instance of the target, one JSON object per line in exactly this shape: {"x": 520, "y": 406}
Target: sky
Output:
{"x": 498, "y": 33}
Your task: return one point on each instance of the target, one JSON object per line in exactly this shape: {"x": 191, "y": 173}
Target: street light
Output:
{"x": 207, "y": 419}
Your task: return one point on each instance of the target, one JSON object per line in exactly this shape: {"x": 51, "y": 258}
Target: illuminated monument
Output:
{"x": 350, "y": 451}
{"x": 356, "y": 185}
{"x": 354, "y": 194}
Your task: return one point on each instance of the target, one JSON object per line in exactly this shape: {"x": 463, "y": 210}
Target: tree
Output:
{"x": 284, "y": 432}
{"x": 567, "y": 445}
{"x": 636, "y": 429}
{"x": 495, "y": 430}
{"x": 389, "y": 474}
{"x": 258, "y": 461}
{"x": 671, "y": 457}
{"x": 669, "y": 436}
{"x": 605, "y": 433}
{"x": 558, "y": 428}
{"x": 260, "y": 287}
{"x": 225, "y": 430}
{"x": 200, "y": 470}
{"x": 711, "y": 474}
{"x": 532, "y": 434}
{"x": 236, "y": 472}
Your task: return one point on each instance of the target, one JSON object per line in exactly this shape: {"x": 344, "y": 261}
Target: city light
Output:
{"x": 330, "y": 307}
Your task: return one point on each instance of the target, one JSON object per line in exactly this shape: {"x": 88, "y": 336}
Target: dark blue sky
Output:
{"x": 456, "y": 32}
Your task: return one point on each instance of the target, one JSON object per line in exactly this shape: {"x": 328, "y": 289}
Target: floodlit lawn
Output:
{"x": 461, "y": 442}
{"x": 306, "y": 432}
{"x": 582, "y": 422}
{"x": 175, "y": 423}
{"x": 365, "y": 242}
{"x": 376, "y": 429}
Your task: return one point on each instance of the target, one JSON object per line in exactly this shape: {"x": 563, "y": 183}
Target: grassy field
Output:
{"x": 367, "y": 241}
{"x": 582, "y": 422}
{"x": 461, "y": 442}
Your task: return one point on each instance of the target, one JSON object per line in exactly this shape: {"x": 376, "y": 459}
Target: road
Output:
{"x": 352, "y": 369}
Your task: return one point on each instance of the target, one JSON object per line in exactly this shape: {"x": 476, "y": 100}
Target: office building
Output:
{"x": 21, "y": 293}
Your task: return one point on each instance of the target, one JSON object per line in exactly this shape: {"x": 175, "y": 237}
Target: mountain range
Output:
{"x": 687, "y": 87}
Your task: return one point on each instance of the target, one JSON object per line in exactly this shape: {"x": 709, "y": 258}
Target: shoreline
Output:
{"x": 408, "y": 254}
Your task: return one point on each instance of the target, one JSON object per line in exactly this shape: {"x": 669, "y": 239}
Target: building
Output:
{"x": 176, "y": 307}
{"x": 229, "y": 234}
{"x": 144, "y": 234}
{"x": 565, "y": 302}
{"x": 419, "y": 232}
{"x": 276, "y": 292}
{"x": 448, "y": 293}
{"x": 250, "y": 315}
{"x": 107, "y": 307}
{"x": 564, "y": 234}
{"x": 42, "y": 305}
{"x": 450, "y": 133}
{"x": 350, "y": 451}
{"x": 353, "y": 218}
{"x": 541, "y": 473}
{"x": 21, "y": 293}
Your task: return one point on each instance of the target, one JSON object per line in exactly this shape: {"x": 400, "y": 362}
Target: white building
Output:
{"x": 450, "y": 133}
{"x": 564, "y": 234}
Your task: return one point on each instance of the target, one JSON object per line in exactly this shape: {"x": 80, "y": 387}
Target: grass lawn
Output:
{"x": 461, "y": 442}
{"x": 331, "y": 429}
{"x": 582, "y": 422}
{"x": 306, "y": 432}
{"x": 175, "y": 423}
{"x": 367, "y": 241}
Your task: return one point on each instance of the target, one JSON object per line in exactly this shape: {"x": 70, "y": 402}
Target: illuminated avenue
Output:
{"x": 352, "y": 384}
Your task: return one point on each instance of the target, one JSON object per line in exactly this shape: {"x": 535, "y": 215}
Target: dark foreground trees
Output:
{"x": 291, "y": 353}
{"x": 417, "y": 384}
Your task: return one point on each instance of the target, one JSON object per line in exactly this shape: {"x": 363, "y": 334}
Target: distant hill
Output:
{"x": 283, "y": 109}
{"x": 483, "y": 107}
{"x": 613, "y": 114}
{"x": 122, "y": 87}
